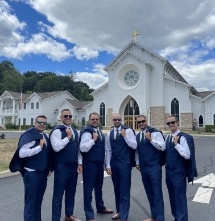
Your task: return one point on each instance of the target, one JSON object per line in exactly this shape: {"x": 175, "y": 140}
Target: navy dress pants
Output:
{"x": 35, "y": 183}
{"x": 93, "y": 176}
{"x": 65, "y": 180}
{"x": 152, "y": 181}
{"x": 121, "y": 177}
{"x": 177, "y": 187}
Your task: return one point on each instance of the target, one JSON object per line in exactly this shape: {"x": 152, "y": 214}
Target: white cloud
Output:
{"x": 84, "y": 53}
{"x": 39, "y": 44}
{"x": 182, "y": 31}
{"x": 94, "y": 79}
{"x": 10, "y": 27}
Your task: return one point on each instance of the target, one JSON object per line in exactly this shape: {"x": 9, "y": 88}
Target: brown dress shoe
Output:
{"x": 71, "y": 218}
{"x": 105, "y": 211}
{"x": 116, "y": 216}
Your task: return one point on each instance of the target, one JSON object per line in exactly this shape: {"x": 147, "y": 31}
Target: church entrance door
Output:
{"x": 130, "y": 114}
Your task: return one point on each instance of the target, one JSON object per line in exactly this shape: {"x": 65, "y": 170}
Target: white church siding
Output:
{"x": 209, "y": 108}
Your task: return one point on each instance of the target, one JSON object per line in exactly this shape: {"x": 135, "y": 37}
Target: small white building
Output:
{"x": 16, "y": 107}
{"x": 140, "y": 82}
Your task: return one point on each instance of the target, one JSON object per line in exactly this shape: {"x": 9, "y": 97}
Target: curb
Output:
{"x": 7, "y": 173}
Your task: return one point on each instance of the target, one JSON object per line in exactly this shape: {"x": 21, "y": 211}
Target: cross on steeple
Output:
{"x": 134, "y": 35}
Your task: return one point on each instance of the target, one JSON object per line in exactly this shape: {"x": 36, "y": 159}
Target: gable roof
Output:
{"x": 126, "y": 48}
{"x": 205, "y": 94}
{"x": 78, "y": 104}
{"x": 17, "y": 95}
{"x": 47, "y": 95}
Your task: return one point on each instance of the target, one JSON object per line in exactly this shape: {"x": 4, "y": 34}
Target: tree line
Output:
{"x": 32, "y": 81}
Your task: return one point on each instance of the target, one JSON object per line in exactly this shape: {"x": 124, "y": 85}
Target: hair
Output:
{"x": 141, "y": 116}
{"x": 92, "y": 114}
{"x": 40, "y": 116}
{"x": 176, "y": 119}
{"x": 65, "y": 110}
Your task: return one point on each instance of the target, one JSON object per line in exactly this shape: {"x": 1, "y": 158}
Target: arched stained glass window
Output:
{"x": 175, "y": 108}
{"x": 102, "y": 114}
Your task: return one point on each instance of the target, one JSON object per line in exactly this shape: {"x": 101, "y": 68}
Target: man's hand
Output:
{"x": 69, "y": 133}
{"x": 95, "y": 136}
{"x": 108, "y": 171}
{"x": 175, "y": 140}
{"x": 42, "y": 142}
{"x": 123, "y": 132}
{"x": 79, "y": 169}
{"x": 148, "y": 136}
{"x": 138, "y": 167}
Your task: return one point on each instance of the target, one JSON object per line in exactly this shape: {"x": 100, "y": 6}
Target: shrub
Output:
{"x": 210, "y": 128}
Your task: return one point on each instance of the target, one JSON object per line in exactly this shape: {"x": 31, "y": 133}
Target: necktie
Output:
{"x": 98, "y": 132}
{"x": 142, "y": 138}
{"x": 117, "y": 134}
{"x": 170, "y": 139}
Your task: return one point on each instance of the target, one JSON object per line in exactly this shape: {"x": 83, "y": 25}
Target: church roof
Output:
{"x": 204, "y": 94}
{"x": 126, "y": 48}
{"x": 78, "y": 104}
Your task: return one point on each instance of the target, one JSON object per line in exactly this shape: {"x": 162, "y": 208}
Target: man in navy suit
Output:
{"x": 34, "y": 148}
{"x": 148, "y": 160}
{"x": 92, "y": 146}
{"x": 120, "y": 144}
{"x": 68, "y": 164}
{"x": 177, "y": 156}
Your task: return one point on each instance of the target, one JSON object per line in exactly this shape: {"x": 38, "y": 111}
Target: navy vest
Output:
{"x": 40, "y": 160}
{"x": 37, "y": 162}
{"x": 148, "y": 154}
{"x": 69, "y": 154}
{"x": 97, "y": 152}
{"x": 173, "y": 159}
{"x": 120, "y": 149}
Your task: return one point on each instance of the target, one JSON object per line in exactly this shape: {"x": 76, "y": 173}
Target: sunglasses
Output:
{"x": 116, "y": 119}
{"x": 141, "y": 121}
{"x": 42, "y": 123}
{"x": 67, "y": 116}
{"x": 94, "y": 119}
{"x": 171, "y": 122}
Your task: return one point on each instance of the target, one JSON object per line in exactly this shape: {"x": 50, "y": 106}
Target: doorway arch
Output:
{"x": 130, "y": 110}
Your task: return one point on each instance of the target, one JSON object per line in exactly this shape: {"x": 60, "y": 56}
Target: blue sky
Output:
{"x": 80, "y": 36}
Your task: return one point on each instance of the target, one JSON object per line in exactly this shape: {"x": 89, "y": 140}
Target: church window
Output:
{"x": 175, "y": 107}
{"x": 200, "y": 121}
{"x": 131, "y": 78}
{"x": 102, "y": 114}
{"x": 83, "y": 121}
{"x": 32, "y": 105}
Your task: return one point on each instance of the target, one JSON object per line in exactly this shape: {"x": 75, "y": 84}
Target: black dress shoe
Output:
{"x": 105, "y": 211}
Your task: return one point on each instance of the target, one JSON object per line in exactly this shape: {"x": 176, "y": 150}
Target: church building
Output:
{"x": 140, "y": 82}
{"x": 143, "y": 82}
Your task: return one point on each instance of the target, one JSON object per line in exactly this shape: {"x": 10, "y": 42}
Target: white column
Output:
{"x": 14, "y": 105}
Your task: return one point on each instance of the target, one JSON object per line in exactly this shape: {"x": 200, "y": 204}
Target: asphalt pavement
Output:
{"x": 12, "y": 193}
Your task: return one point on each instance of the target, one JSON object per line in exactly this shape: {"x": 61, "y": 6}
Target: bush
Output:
{"x": 210, "y": 128}
{"x": 11, "y": 126}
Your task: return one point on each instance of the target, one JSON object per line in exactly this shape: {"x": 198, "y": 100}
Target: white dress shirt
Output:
{"x": 87, "y": 141}
{"x": 182, "y": 148}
